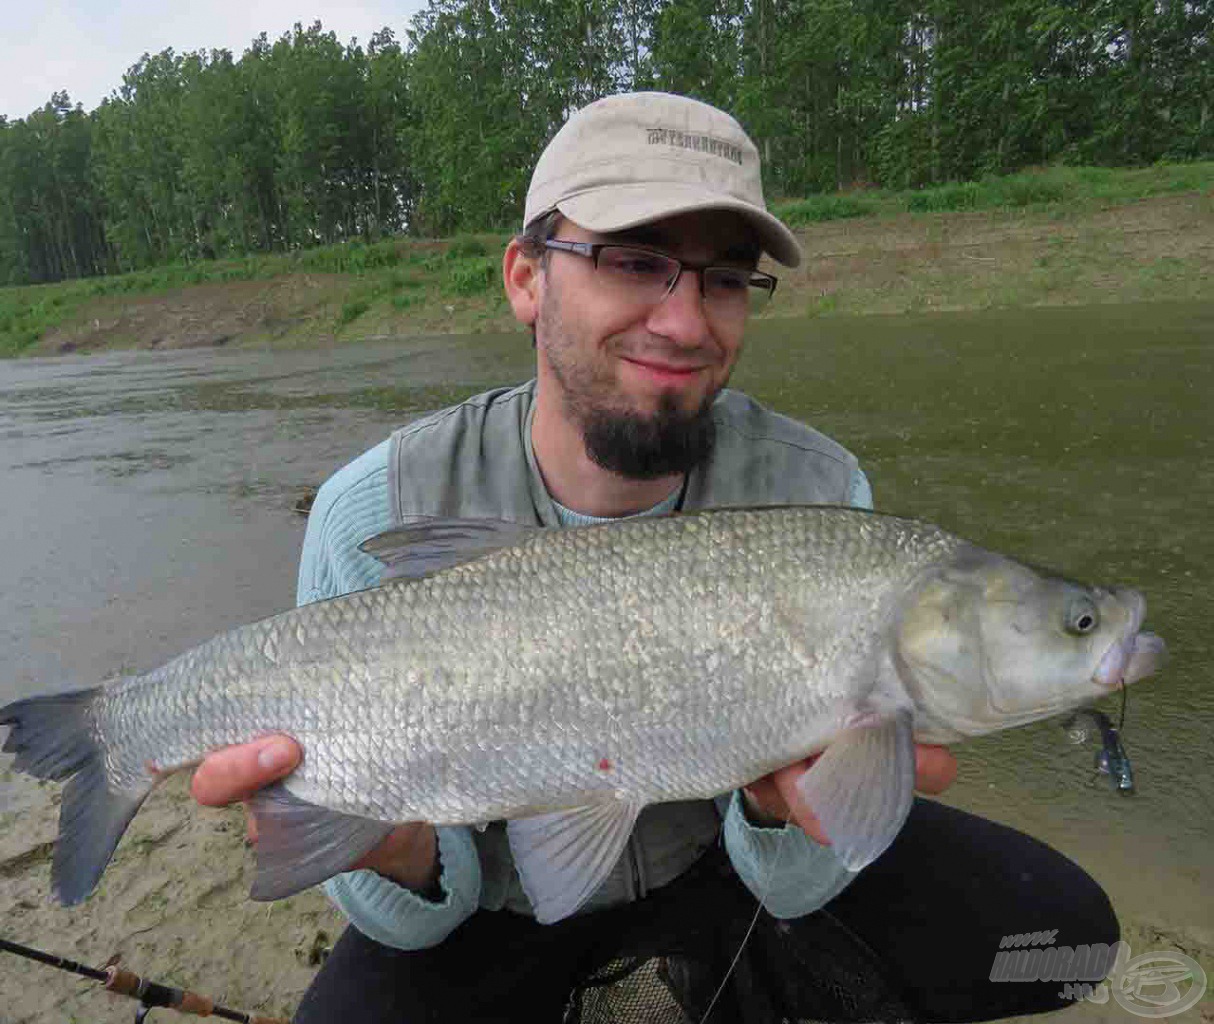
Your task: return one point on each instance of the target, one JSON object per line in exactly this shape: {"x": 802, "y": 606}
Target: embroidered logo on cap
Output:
{"x": 698, "y": 143}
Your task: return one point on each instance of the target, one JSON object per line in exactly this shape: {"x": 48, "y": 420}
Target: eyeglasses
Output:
{"x": 649, "y": 277}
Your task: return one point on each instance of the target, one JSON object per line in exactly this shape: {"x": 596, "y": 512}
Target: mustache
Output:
{"x": 665, "y": 354}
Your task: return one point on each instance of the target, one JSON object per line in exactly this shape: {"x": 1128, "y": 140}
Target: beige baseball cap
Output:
{"x": 638, "y": 157}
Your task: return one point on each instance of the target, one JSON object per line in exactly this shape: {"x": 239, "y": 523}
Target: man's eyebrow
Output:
{"x": 741, "y": 252}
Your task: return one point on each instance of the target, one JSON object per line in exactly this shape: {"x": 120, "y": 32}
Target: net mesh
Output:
{"x": 634, "y": 990}
{"x": 788, "y": 973}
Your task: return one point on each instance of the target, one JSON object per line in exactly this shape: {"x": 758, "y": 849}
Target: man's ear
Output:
{"x": 521, "y": 278}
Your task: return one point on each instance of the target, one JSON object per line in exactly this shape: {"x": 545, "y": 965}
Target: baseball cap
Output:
{"x": 637, "y": 157}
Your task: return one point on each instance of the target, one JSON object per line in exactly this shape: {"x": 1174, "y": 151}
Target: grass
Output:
{"x": 460, "y": 268}
{"x": 423, "y": 285}
{"x": 384, "y": 271}
{"x": 1074, "y": 187}
{"x": 815, "y": 209}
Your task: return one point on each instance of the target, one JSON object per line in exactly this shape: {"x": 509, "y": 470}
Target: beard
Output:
{"x": 645, "y": 447}
{"x": 638, "y": 445}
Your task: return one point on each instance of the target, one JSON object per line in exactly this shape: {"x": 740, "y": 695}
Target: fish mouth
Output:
{"x": 1136, "y": 655}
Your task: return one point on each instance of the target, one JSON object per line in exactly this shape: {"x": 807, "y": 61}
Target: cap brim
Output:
{"x": 618, "y": 207}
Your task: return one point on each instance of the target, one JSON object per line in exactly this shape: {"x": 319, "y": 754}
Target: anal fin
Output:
{"x": 300, "y": 844}
{"x": 862, "y": 786}
{"x": 563, "y": 857}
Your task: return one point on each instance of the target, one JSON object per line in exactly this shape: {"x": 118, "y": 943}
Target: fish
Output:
{"x": 562, "y": 680}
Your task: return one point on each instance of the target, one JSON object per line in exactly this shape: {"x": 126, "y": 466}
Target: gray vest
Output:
{"x": 474, "y": 460}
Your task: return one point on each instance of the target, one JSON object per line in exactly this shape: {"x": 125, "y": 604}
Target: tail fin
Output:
{"x": 53, "y": 737}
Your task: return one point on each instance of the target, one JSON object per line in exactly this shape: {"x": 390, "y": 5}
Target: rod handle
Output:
{"x": 125, "y": 983}
{"x": 192, "y": 1002}
{"x": 128, "y": 984}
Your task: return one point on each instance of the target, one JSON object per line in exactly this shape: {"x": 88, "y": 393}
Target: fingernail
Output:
{"x": 276, "y": 756}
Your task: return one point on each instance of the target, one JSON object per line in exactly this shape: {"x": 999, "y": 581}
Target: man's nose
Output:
{"x": 680, "y": 316}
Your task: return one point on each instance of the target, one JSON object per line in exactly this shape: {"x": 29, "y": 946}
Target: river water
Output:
{"x": 148, "y": 505}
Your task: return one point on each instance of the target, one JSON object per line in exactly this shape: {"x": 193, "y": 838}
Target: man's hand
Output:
{"x": 774, "y": 800}
{"x": 408, "y": 854}
{"x": 236, "y": 773}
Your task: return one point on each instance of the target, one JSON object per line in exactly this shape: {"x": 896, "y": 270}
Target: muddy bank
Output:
{"x": 1157, "y": 249}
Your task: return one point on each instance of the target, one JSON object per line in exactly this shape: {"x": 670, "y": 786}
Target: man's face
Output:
{"x": 639, "y": 377}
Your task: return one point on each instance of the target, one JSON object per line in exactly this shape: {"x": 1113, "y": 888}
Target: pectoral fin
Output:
{"x": 300, "y": 844}
{"x": 861, "y": 788}
{"x": 562, "y": 858}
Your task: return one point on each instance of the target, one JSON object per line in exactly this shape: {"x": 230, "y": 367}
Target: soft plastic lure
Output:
{"x": 1111, "y": 758}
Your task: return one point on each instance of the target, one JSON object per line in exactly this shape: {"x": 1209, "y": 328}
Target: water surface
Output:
{"x": 148, "y": 505}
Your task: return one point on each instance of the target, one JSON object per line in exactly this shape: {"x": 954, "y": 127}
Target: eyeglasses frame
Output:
{"x": 591, "y": 251}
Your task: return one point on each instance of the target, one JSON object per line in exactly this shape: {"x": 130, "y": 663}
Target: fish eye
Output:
{"x": 1082, "y": 617}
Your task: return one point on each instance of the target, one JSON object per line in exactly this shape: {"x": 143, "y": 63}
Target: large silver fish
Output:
{"x": 565, "y": 679}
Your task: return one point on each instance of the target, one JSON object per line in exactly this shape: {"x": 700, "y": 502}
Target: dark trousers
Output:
{"x": 922, "y": 923}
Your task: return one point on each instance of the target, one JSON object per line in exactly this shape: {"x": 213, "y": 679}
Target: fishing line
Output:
{"x": 771, "y": 874}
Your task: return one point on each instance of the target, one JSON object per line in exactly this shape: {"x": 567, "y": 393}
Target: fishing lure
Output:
{"x": 1111, "y": 758}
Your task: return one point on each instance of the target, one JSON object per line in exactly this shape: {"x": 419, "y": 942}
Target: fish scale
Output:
{"x": 499, "y": 634}
{"x": 564, "y": 679}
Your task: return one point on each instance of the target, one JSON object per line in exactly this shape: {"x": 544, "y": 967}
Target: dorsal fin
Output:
{"x": 424, "y": 545}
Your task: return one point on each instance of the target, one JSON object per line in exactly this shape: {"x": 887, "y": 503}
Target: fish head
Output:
{"x": 986, "y": 643}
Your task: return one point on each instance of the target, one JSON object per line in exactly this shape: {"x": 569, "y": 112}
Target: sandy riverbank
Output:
{"x": 173, "y": 904}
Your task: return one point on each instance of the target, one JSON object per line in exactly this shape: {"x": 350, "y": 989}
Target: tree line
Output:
{"x": 306, "y": 140}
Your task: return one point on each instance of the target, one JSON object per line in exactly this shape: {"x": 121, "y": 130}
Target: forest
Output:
{"x": 306, "y": 140}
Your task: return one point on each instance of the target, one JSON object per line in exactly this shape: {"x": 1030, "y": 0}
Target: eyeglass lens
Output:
{"x": 652, "y": 274}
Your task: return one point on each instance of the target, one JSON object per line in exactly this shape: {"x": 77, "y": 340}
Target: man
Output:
{"x": 636, "y": 272}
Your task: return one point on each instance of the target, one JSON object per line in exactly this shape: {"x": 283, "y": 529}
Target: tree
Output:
{"x": 305, "y": 139}
{"x": 50, "y": 223}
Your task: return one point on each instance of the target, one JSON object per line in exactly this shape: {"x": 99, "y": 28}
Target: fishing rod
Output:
{"x": 150, "y": 994}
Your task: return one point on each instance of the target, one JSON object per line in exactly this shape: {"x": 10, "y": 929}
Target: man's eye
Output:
{"x": 730, "y": 280}
{"x": 637, "y": 264}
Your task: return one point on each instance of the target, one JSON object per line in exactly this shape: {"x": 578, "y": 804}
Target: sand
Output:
{"x": 173, "y": 904}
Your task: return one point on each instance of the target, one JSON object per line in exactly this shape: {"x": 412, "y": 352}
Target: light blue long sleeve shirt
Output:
{"x": 787, "y": 871}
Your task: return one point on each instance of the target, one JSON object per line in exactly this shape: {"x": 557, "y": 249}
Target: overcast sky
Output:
{"x": 85, "y": 46}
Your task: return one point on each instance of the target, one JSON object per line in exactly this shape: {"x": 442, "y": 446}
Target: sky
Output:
{"x": 85, "y": 46}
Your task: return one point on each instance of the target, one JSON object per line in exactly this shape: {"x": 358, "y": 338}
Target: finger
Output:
{"x": 786, "y": 782}
{"x": 400, "y": 842}
{"x": 408, "y": 854}
{"x": 767, "y": 798}
{"x": 235, "y": 773}
{"x": 250, "y": 825}
{"x": 935, "y": 768}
